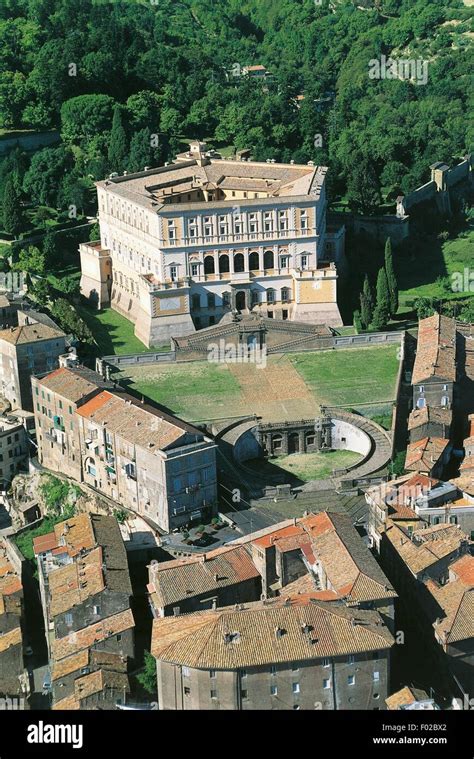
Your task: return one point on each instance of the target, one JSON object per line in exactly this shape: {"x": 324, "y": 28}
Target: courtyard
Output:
{"x": 292, "y": 385}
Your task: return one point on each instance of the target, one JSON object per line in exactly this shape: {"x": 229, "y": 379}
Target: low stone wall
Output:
{"x": 326, "y": 343}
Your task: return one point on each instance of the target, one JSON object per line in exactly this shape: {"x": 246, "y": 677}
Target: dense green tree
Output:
{"x": 366, "y": 304}
{"x": 118, "y": 147}
{"x": 13, "y": 216}
{"x": 147, "y": 678}
{"x": 391, "y": 277}
{"x": 382, "y": 307}
{"x": 363, "y": 189}
{"x": 43, "y": 178}
{"x": 85, "y": 116}
{"x": 31, "y": 260}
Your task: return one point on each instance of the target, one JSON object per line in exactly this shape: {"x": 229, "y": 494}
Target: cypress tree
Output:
{"x": 382, "y": 309}
{"x": 13, "y": 217}
{"x": 391, "y": 277}
{"x": 366, "y": 303}
{"x": 118, "y": 143}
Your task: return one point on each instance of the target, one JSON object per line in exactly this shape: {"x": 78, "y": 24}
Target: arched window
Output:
{"x": 224, "y": 264}
{"x": 268, "y": 259}
{"x": 277, "y": 441}
{"x": 239, "y": 262}
{"x": 209, "y": 267}
{"x": 254, "y": 264}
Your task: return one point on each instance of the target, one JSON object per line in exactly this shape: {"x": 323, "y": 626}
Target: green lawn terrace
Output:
{"x": 429, "y": 272}
{"x": 291, "y": 386}
{"x": 113, "y": 333}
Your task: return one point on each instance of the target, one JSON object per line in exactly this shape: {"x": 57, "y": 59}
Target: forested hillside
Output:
{"x": 125, "y": 82}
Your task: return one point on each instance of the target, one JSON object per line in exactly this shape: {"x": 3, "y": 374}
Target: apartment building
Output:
{"x": 183, "y": 245}
{"x": 434, "y": 371}
{"x": 30, "y": 348}
{"x": 13, "y": 676}
{"x": 433, "y": 571}
{"x": 319, "y": 556}
{"x": 283, "y": 654}
{"x": 14, "y": 449}
{"x": 85, "y": 593}
{"x": 139, "y": 456}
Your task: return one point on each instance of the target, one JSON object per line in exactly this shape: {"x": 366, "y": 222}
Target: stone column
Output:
{"x": 301, "y": 441}
{"x": 284, "y": 444}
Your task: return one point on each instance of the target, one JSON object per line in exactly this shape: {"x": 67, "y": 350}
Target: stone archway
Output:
{"x": 240, "y": 303}
{"x": 293, "y": 442}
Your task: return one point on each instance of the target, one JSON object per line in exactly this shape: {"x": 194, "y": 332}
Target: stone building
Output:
{"x": 31, "y": 348}
{"x": 428, "y": 456}
{"x": 183, "y": 244}
{"x": 433, "y": 571}
{"x": 429, "y": 421}
{"x": 416, "y": 501}
{"x": 13, "y": 449}
{"x": 434, "y": 371}
{"x": 85, "y": 593}
{"x": 139, "y": 456}
{"x": 282, "y": 654}
{"x": 216, "y": 578}
{"x": 321, "y": 555}
{"x": 13, "y": 676}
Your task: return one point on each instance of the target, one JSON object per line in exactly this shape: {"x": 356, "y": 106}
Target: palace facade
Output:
{"x": 185, "y": 244}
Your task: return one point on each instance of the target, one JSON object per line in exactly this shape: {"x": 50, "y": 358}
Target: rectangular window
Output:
{"x": 68, "y": 618}
{"x": 350, "y": 659}
{"x": 351, "y": 680}
{"x": 243, "y": 673}
{"x": 194, "y": 270}
{"x": 173, "y": 273}
{"x": 296, "y": 687}
{"x": 213, "y": 694}
{"x": 273, "y": 670}
{"x": 244, "y": 694}
{"x": 326, "y": 683}
{"x": 304, "y": 262}
{"x": 185, "y": 671}
{"x": 273, "y": 690}
{"x": 187, "y": 690}
{"x": 376, "y": 677}
{"x": 212, "y": 673}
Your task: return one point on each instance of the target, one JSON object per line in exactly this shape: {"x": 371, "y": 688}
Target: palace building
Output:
{"x": 185, "y": 244}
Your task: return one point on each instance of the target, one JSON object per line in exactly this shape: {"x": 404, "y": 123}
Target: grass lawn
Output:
{"x": 113, "y": 333}
{"x": 308, "y": 466}
{"x": 291, "y": 386}
{"x": 351, "y": 376}
{"x": 418, "y": 277}
{"x": 197, "y": 390}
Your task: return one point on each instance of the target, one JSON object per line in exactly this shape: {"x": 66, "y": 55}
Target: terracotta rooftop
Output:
{"x": 425, "y": 454}
{"x": 10, "y": 638}
{"x": 29, "y": 333}
{"x": 74, "y": 583}
{"x": 134, "y": 424}
{"x": 405, "y": 697}
{"x": 427, "y": 414}
{"x": 72, "y": 384}
{"x": 174, "y": 581}
{"x": 432, "y": 544}
{"x": 92, "y": 634}
{"x": 248, "y": 637}
{"x": 436, "y": 350}
{"x": 72, "y": 536}
{"x": 70, "y": 664}
{"x": 350, "y": 568}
